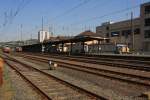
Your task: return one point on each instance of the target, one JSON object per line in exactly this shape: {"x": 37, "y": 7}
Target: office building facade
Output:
{"x": 133, "y": 32}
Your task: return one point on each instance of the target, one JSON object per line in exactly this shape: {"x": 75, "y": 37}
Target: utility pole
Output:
{"x": 42, "y": 36}
{"x": 21, "y": 34}
{"x": 42, "y": 23}
{"x": 51, "y": 30}
{"x": 132, "y": 32}
{"x": 132, "y": 27}
{"x": 31, "y": 36}
{"x": 85, "y": 28}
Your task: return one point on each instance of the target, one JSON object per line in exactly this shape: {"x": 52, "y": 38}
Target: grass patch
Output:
{"x": 6, "y": 90}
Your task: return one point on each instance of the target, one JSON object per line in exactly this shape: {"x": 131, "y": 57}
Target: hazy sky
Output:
{"x": 63, "y": 17}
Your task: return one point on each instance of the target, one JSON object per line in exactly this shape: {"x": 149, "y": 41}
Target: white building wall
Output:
{"x": 43, "y": 35}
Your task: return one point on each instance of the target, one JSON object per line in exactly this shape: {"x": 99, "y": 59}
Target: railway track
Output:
{"x": 125, "y": 58}
{"x": 117, "y": 75}
{"x": 124, "y": 63}
{"x": 49, "y": 86}
{"x": 97, "y": 59}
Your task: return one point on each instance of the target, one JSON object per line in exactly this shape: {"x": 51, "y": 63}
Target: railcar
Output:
{"x": 18, "y": 49}
{"x": 6, "y": 49}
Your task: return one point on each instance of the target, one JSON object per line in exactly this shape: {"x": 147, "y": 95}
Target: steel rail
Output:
{"x": 65, "y": 82}
{"x": 111, "y": 77}
{"x": 108, "y": 63}
{"x": 26, "y": 79}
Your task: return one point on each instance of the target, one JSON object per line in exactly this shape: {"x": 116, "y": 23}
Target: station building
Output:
{"x": 94, "y": 45}
{"x": 85, "y": 42}
{"x": 135, "y": 32}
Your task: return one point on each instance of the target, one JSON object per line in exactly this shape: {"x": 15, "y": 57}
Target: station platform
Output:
{"x": 123, "y": 55}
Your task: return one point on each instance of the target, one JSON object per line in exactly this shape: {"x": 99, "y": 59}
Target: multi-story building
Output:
{"x": 43, "y": 35}
{"x": 145, "y": 26}
{"x": 134, "y": 32}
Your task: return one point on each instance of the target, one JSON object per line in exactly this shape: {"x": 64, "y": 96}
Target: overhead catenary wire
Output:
{"x": 71, "y": 9}
{"x": 98, "y": 17}
{"x": 105, "y": 15}
{"x": 9, "y": 16}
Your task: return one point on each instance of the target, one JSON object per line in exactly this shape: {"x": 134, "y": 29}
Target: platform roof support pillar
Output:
{"x": 71, "y": 45}
{"x": 62, "y": 46}
{"x": 83, "y": 43}
{"x": 99, "y": 46}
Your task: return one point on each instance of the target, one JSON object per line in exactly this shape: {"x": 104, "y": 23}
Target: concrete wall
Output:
{"x": 106, "y": 31}
{"x": 140, "y": 42}
{"x": 143, "y": 16}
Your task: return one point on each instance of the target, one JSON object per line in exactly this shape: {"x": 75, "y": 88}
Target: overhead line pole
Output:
{"x": 42, "y": 23}
{"x": 21, "y": 33}
{"x": 42, "y": 36}
{"x": 132, "y": 32}
{"x": 132, "y": 27}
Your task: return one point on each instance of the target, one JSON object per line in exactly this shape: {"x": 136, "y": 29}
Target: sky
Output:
{"x": 62, "y": 17}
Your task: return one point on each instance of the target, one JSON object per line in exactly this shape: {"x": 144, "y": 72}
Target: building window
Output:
{"x": 147, "y": 9}
{"x": 147, "y": 34}
{"x": 137, "y": 31}
{"x": 147, "y": 22}
{"x": 107, "y": 28}
{"x": 107, "y": 35}
{"x": 126, "y": 32}
{"x": 114, "y": 34}
{"x": 99, "y": 31}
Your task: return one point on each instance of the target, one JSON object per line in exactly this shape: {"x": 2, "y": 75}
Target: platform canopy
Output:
{"x": 82, "y": 37}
